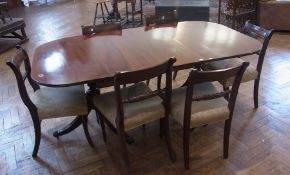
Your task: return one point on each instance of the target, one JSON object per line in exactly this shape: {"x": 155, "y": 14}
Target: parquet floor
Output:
{"x": 259, "y": 142}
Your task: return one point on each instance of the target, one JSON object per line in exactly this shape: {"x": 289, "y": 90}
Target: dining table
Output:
{"x": 95, "y": 60}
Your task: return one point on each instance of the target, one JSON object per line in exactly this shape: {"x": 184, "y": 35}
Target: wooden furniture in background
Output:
{"x": 199, "y": 103}
{"x": 157, "y": 20}
{"x": 252, "y": 72}
{"x": 274, "y": 14}
{"x": 9, "y": 37}
{"x": 46, "y": 102}
{"x": 134, "y": 11}
{"x": 127, "y": 108}
{"x": 77, "y": 60}
{"x": 102, "y": 29}
{"x": 187, "y": 10}
{"x": 102, "y": 4}
{"x": 13, "y": 3}
{"x": 234, "y": 13}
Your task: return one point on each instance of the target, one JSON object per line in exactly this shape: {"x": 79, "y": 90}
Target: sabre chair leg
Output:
{"x": 256, "y": 93}
{"x": 186, "y": 147}
{"x": 168, "y": 139}
{"x": 37, "y": 130}
{"x": 227, "y": 129}
{"x": 124, "y": 151}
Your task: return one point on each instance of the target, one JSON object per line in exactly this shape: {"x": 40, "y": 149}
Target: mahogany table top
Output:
{"x": 79, "y": 60}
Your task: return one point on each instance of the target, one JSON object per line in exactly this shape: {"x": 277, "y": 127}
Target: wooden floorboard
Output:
{"x": 259, "y": 141}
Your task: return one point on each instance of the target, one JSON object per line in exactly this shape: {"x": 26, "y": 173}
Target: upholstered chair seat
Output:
{"x": 136, "y": 114}
{"x": 60, "y": 102}
{"x": 250, "y": 74}
{"x": 202, "y": 112}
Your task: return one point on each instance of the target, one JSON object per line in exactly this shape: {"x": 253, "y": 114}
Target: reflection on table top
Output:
{"x": 77, "y": 60}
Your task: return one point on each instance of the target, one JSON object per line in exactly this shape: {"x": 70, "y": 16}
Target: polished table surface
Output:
{"x": 79, "y": 60}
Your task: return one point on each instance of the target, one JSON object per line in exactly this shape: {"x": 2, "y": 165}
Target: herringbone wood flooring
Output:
{"x": 259, "y": 142}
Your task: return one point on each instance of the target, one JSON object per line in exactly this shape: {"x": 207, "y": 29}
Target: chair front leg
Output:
{"x": 227, "y": 130}
{"x": 166, "y": 133}
{"x": 37, "y": 130}
{"x": 86, "y": 130}
{"x": 124, "y": 151}
{"x": 256, "y": 92}
{"x": 186, "y": 131}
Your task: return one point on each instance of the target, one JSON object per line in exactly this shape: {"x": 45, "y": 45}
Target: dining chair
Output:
{"x": 135, "y": 105}
{"x": 134, "y": 11}
{"x": 198, "y": 102}
{"x": 101, "y": 29}
{"x": 169, "y": 19}
{"x": 234, "y": 13}
{"x": 253, "y": 72}
{"x": 46, "y": 102}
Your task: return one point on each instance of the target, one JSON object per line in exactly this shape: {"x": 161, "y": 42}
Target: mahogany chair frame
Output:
{"x": 197, "y": 77}
{"x": 15, "y": 63}
{"x": 265, "y": 35}
{"x": 123, "y": 78}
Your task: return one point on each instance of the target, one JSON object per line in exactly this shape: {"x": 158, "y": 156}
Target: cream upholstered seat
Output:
{"x": 46, "y": 102}
{"x": 135, "y": 114}
{"x": 250, "y": 74}
{"x": 60, "y": 102}
{"x": 202, "y": 112}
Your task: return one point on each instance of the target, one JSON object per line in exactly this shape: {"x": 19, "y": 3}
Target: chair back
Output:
{"x": 123, "y": 78}
{"x": 112, "y": 29}
{"x": 15, "y": 64}
{"x": 162, "y": 19}
{"x": 197, "y": 77}
{"x": 262, "y": 35}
